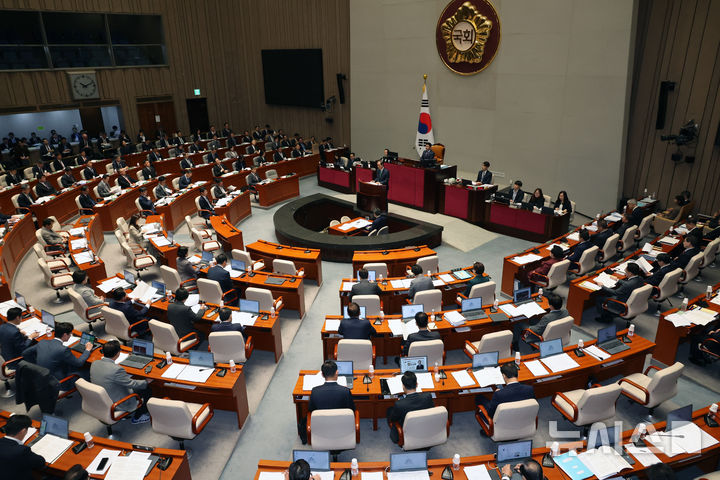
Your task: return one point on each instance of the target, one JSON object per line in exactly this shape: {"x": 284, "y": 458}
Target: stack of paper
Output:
{"x": 596, "y": 352}
{"x": 312, "y": 381}
{"x": 669, "y": 240}
{"x": 77, "y": 232}
{"x": 489, "y": 376}
{"x": 642, "y": 454}
{"x": 233, "y": 273}
{"x": 161, "y": 241}
{"x": 192, "y": 300}
{"x": 151, "y": 227}
{"x": 575, "y": 236}
{"x": 614, "y": 217}
{"x": 679, "y": 319}
{"x": 446, "y": 277}
{"x": 271, "y": 476}
{"x": 530, "y": 309}
{"x": 78, "y": 243}
{"x": 7, "y": 305}
{"x": 142, "y": 292}
{"x": 347, "y": 286}
{"x": 32, "y": 325}
{"x": 536, "y": 368}
{"x": 701, "y": 316}
{"x": 605, "y": 280}
{"x": 523, "y": 259}
{"x": 603, "y": 462}
{"x": 463, "y": 378}
{"x": 403, "y": 284}
{"x": 476, "y": 472}
{"x": 193, "y": 373}
{"x": 510, "y": 310}
{"x": 245, "y": 319}
{"x": 590, "y": 285}
{"x": 51, "y": 447}
{"x": 688, "y": 438}
{"x": 425, "y": 381}
{"x": 395, "y": 385}
{"x": 716, "y": 300}
{"x": 345, "y": 227}
{"x": 560, "y": 362}
{"x": 454, "y": 318}
{"x": 128, "y": 468}
{"x": 83, "y": 257}
{"x": 332, "y": 325}
{"x": 438, "y": 282}
{"x": 111, "y": 455}
{"x": 415, "y": 475}
{"x": 112, "y": 283}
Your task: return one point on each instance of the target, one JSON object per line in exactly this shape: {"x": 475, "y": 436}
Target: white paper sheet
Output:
{"x": 560, "y": 362}
{"x": 193, "y": 373}
{"x": 536, "y": 368}
{"x": 332, "y": 325}
{"x": 142, "y": 292}
{"x": 419, "y": 475}
{"x": 245, "y": 319}
{"x": 128, "y": 468}
{"x": 111, "y": 455}
{"x": 510, "y": 310}
{"x": 590, "y": 285}
{"x": 312, "y": 381}
{"x": 396, "y": 327}
{"x": 173, "y": 370}
{"x": 83, "y": 257}
{"x": 161, "y": 241}
{"x": 425, "y": 380}
{"x": 523, "y": 259}
{"x": 192, "y": 300}
{"x": 7, "y": 305}
{"x": 597, "y": 352}
{"x": 78, "y": 243}
{"x": 575, "y": 236}
{"x": 605, "y": 280}
{"x": 669, "y": 240}
{"x": 395, "y": 385}
{"x": 347, "y": 286}
{"x": 51, "y": 447}
{"x": 530, "y": 309}
{"x": 371, "y": 476}
{"x": 463, "y": 378}
{"x": 271, "y": 476}
{"x": 489, "y": 376}
{"x": 30, "y": 432}
{"x": 454, "y": 318}
{"x": 397, "y": 284}
{"x": 77, "y": 232}
{"x": 121, "y": 358}
{"x": 32, "y": 325}
{"x": 70, "y": 340}
{"x": 642, "y": 454}
{"x": 603, "y": 462}
{"x": 446, "y": 277}
{"x": 679, "y": 319}
{"x": 476, "y": 472}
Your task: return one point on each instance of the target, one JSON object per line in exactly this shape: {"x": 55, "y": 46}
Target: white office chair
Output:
{"x": 18, "y": 208}
{"x": 142, "y": 210}
{"x": 287, "y": 267}
{"x": 200, "y": 210}
{"x": 244, "y": 257}
{"x": 609, "y": 250}
{"x": 175, "y": 183}
{"x": 587, "y": 261}
{"x": 56, "y": 263}
{"x": 139, "y": 262}
{"x": 627, "y": 242}
{"x": 491, "y": 342}
{"x": 372, "y": 304}
{"x": 28, "y": 173}
{"x": 430, "y": 263}
{"x": 177, "y": 419}
{"x": 210, "y": 291}
{"x": 585, "y": 407}
{"x": 199, "y": 226}
{"x": 56, "y": 281}
{"x": 709, "y": 255}
{"x": 424, "y": 428}
{"x": 81, "y": 309}
{"x": 172, "y": 281}
{"x": 227, "y": 346}
{"x": 434, "y": 350}
{"x": 203, "y": 245}
{"x": 384, "y": 230}
{"x": 636, "y": 304}
{"x": 333, "y": 429}
{"x": 485, "y": 290}
{"x": 344, "y": 219}
{"x": 380, "y": 269}
{"x": 644, "y": 229}
{"x": 117, "y": 325}
{"x": 692, "y": 269}
{"x": 511, "y": 421}
{"x": 652, "y": 391}
{"x": 271, "y": 174}
{"x": 334, "y": 222}
{"x": 166, "y": 338}
{"x": 557, "y": 275}
{"x": 360, "y": 352}
{"x": 97, "y": 403}
{"x": 264, "y": 298}
{"x": 431, "y": 299}
{"x": 559, "y": 328}
{"x": 669, "y": 286}
{"x": 82, "y": 210}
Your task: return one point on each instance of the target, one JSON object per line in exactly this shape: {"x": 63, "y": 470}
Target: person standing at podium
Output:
{"x": 427, "y": 159}
{"x": 382, "y": 176}
{"x": 484, "y": 176}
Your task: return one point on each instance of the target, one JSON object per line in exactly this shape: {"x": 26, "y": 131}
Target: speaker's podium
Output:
{"x": 371, "y": 195}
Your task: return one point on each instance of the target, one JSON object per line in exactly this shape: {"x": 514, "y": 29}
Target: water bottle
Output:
{"x": 354, "y": 468}
{"x": 456, "y": 462}
{"x": 432, "y": 316}
{"x": 371, "y": 371}
{"x": 517, "y": 358}
{"x": 540, "y": 295}
{"x": 555, "y": 449}
{"x": 581, "y": 344}
{"x": 272, "y": 311}
{"x": 631, "y": 330}
{"x": 495, "y": 305}
{"x": 380, "y": 278}
{"x": 713, "y": 409}
{"x": 437, "y": 372}
{"x": 168, "y": 358}
{"x": 382, "y": 315}
{"x": 89, "y": 440}
{"x": 232, "y": 366}
{"x": 708, "y": 293}
{"x": 684, "y": 305}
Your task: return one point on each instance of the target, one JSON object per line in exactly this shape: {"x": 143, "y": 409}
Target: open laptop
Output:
{"x": 249, "y": 306}
{"x": 372, "y": 275}
{"x": 206, "y": 257}
{"x": 362, "y": 312}
{"x": 20, "y": 300}
{"x": 238, "y": 265}
{"x": 142, "y": 354}
{"x": 413, "y": 364}
{"x": 319, "y": 460}
{"x": 471, "y": 309}
{"x": 51, "y": 425}
{"x": 513, "y": 452}
{"x": 522, "y": 295}
{"x": 679, "y": 417}
{"x": 409, "y": 311}
{"x": 345, "y": 369}
{"x": 129, "y": 277}
{"x": 608, "y": 341}
{"x": 408, "y": 462}
{"x": 171, "y": 237}
{"x": 84, "y": 339}
{"x": 550, "y": 348}
{"x": 47, "y": 318}
{"x": 159, "y": 286}
{"x": 202, "y": 359}
{"x": 485, "y": 360}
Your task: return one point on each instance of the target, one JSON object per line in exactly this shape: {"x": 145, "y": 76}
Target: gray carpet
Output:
{"x": 222, "y": 451}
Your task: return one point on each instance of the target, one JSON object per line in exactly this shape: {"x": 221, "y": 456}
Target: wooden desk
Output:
{"x": 363, "y": 174}
{"x": 15, "y": 244}
{"x": 397, "y": 260}
{"x": 184, "y": 204}
{"x": 237, "y": 209}
{"x": 415, "y": 186}
{"x": 342, "y": 229}
{"x": 336, "y": 179}
{"x": 371, "y": 196}
{"x": 229, "y": 237}
{"x": 371, "y": 404}
{"x": 179, "y": 468}
{"x": 121, "y": 207}
{"x": 468, "y": 203}
{"x": 95, "y": 269}
{"x": 281, "y": 189}
{"x": 307, "y": 258}
{"x": 669, "y": 337}
{"x": 521, "y": 223}
{"x": 168, "y": 253}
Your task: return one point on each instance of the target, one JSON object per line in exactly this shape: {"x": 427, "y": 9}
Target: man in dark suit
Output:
{"x": 579, "y": 249}
{"x": 364, "y": 286}
{"x": 154, "y": 156}
{"x": 185, "y": 180}
{"x": 622, "y": 291}
{"x": 218, "y": 190}
{"x": 218, "y": 169}
{"x": 86, "y": 201}
{"x": 278, "y": 156}
{"x": 147, "y": 146}
{"x": 231, "y": 141}
{"x": 64, "y": 147}
{"x": 186, "y": 163}
{"x": 195, "y": 147}
{"x": 382, "y": 175}
{"x": 12, "y": 341}
{"x": 419, "y": 283}
{"x": 146, "y": 203}
{"x": 182, "y": 318}
{"x": 126, "y": 148}
{"x": 12, "y": 178}
{"x": 118, "y": 163}
{"x": 206, "y": 206}
{"x": 662, "y": 268}
{"x": 556, "y": 313}
{"x": 162, "y": 190}
{"x": 252, "y": 148}
{"x": 124, "y": 180}
{"x": 690, "y": 249}
{"x": 39, "y": 168}
{"x": 68, "y": 179}
{"x": 480, "y": 277}
{"x": 82, "y": 159}
{"x": 635, "y": 213}
{"x": 225, "y": 324}
{"x": 257, "y": 134}
{"x": 411, "y": 402}
{"x": 516, "y": 194}
{"x": 55, "y": 356}
{"x": 24, "y": 199}
{"x": 148, "y": 170}
{"x": 379, "y": 220}
{"x": 59, "y": 164}
{"x": 122, "y": 303}
{"x": 625, "y": 223}
{"x": 692, "y": 228}
{"x": 219, "y": 274}
{"x": 296, "y": 152}
{"x": 421, "y": 319}
{"x": 484, "y": 176}
{"x": 602, "y": 234}
{"x": 330, "y": 395}
{"x": 89, "y": 172}
{"x": 513, "y": 391}
{"x": 18, "y": 461}
{"x": 47, "y": 153}
{"x": 43, "y": 187}
{"x": 427, "y": 159}
{"x": 355, "y": 328}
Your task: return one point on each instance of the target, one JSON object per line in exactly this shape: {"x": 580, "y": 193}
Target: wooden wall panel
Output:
{"x": 677, "y": 40}
{"x": 213, "y": 45}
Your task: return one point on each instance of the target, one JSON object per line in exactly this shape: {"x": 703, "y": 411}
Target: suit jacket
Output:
{"x": 365, "y": 287}
{"x": 278, "y": 157}
{"x": 427, "y": 159}
{"x": 11, "y": 179}
{"x": 67, "y": 180}
{"x": 624, "y": 288}
{"x": 252, "y": 179}
{"x": 356, "y": 329}
{"x": 80, "y": 160}
{"x": 124, "y": 181}
{"x": 37, "y": 171}
{"x": 116, "y": 382}
{"x": 184, "y": 182}
{"x": 382, "y": 176}
{"x": 24, "y": 200}
{"x": 418, "y": 284}
{"x": 477, "y": 279}
{"x": 146, "y": 203}
{"x": 46, "y": 151}
{"x": 12, "y": 341}
{"x": 538, "y": 202}
{"x": 219, "y": 192}
{"x": 622, "y": 228}
{"x": 88, "y": 294}
{"x": 205, "y": 204}
{"x": 513, "y": 392}
{"x": 50, "y": 237}
{"x": 104, "y": 189}
{"x": 56, "y": 357}
{"x": 656, "y": 277}
{"x": 132, "y": 314}
{"x": 420, "y": 336}
{"x": 551, "y": 316}
{"x": 160, "y": 192}
{"x": 684, "y": 258}
{"x": 484, "y": 177}
{"x": 147, "y": 147}
{"x": 410, "y": 403}
{"x": 238, "y": 165}
{"x": 127, "y": 149}
{"x": 250, "y": 149}
{"x": 222, "y": 276}
{"x": 59, "y": 165}
{"x": 378, "y": 223}
{"x": 149, "y": 172}
{"x": 231, "y": 142}
{"x": 296, "y": 153}
{"x": 194, "y": 148}
{"x": 218, "y": 170}
{"x": 600, "y": 238}
{"x": 210, "y": 158}
{"x": 226, "y": 327}
{"x": 516, "y": 196}
{"x": 579, "y": 249}
{"x": 182, "y": 318}
{"x": 257, "y": 135}
{"x": 544, "y": 267}
{"x": 186, "y": 163}
{"x": 18, "y": 461}
{"x": 330, "y": 395}
{"x": 44, "y": 189}
{"x": 89, "y": 172}
{"x": 185, "y": 269}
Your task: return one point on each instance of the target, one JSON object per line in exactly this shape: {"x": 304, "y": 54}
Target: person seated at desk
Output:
{"x": 662, "y": 266}
{"x": 484, "y": 176}
{"x": 103, "y": 188}
{"x": 47, "y": 152}
{"x": 146, "y": 203}
{"x": 124, "y": 181}
{"x": 512, "y": 391}
{"x": 12, "y": 178}
{"x": 43, "y": 187}
{"x": 516, "y": 195}
{"x": 56, "y": 357}
{"x": 690, "y": 246}
{"x": 39, "y": 168}
{"x": 218, "y": 169}
{"x": 89, "y": 172}
{"x": 186, "y": 180}
{"x": 602, "y": 234}
{"x": 220, "y": 275}
{"x": 19, "y": 461}
{"x": 252, "y": 148}
{"x": 219, "y": 190}
{"x": 225, "y": 324}
{"x": 382, "y": 175}
{"x": 119, "y": 384}
{"x": 83, "y": 288}
{"x": 625, "y": 223}
{"x": 126, "y": 148}
{"x": 278, "y": 156}
{"x": 136, "y": 235}
{"x": 64, "y": 147}
{"x": 182, "y": 318}
{"x": 692, "y": 228}
{"x": 211, "y": 157}
{"x": 673, "y": 211}
{"x": 206, "y": 206}
{"x": 296, "y": 151}
{"x": 118, "y": 163}
{"x": 635, "y": 213}
{"x": 12, "y": 340}
{"x": 579, "y": 249}
{"x": 195, "y": 147}
{"x": 231, "y": 140}
{"x": 122, "y": 303}
{"x": 622, "y": 291}
{"x": 162, "y": 190}
{"x": 556, "y": 255}
{"x": 148, "y": 170}
{"x": 562, "y": 203}
{"x": 239, "y": 164}
{"x": 330, "y": 395}
{"x": 186, "y": 163}
{"x": 252, "y": 179}
{"x": 68, "y": 179}
{"x": 354, "y": 327}
{"x": 59, "y": 164}
{"x": 480, "y": 277}
{"x": 300, "y": 470}
{"x": 556, "y": 313}
{"x": 423, "y": 334}
{"x": 83, "y": 158}
{"x": 186, "y": 270}
{"x": 419, "y": 283}
{"x": 364, "y": 286}
{"x": 537, "y": 200}
{"x": 147, "y": 146}
{"x": 50, "y": 236}
{"x": 528, "y": 469}
{"x": 379, "y": 220}
{"x": 410, "y": 402}
{"x": 25, "y": 199}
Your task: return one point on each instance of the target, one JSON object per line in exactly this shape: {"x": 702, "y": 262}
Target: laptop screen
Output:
{"x": 607, "y": 333}
{"x": 471, "y": 304}
{"x": 487, "y": 359}
{"x": 318, "y": 460}
{"x": 20, "y": 300}
{"x": 404, "y": 462}
{"x": 521, "y": 294}
{"x": 48, "y": 319}
{"x": 238, "y": 265}
{"x": 202, "y": 359}
{"x": 598, "y": 437}
{"x": 54, "y": 426}
{"x": 551, "y": 347}
{"x": 513, "y": 450}
{"x": 372, "y": 275}
{"x": 413, "y": 364}
{"x": 129, "y": 277}
{"x": 409, "y": 311}
{"x": 159, "y": 286}
{"x": 143, "y": 347}
{"x": 87, "y": 337}
{"x": 679, "y": 417}
{"x": 206, "y": 256}
{"x": 362, "y": 312}
{"x": 344, "y": 367}
{"x": 250, "y": 306}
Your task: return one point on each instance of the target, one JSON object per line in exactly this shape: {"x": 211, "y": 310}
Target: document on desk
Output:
{"x": 463, "y": 378}
{"x": 416, "y": 475}
{"x": 605, "y": 280}
{"x": 396, "y": 327}
{"x": 347, "y": 286}
{"x": 403, "y": 284}
{"x": 151, "y": 227}
{"x": 233, "y": 273}
{"x": 345, "y": 227}
{"x": 312, "y": 381}
{"x": 425, "y": 380}
{"x": 575, "y": 237}
{"x": 536, "y": 368}
{"x": 121, "y": 358}
{"x": 642, "y": 454}
{"x": 489, "y": 376}
{"x": 409, "y": 328}
{"x": 161, "y": 241}
{"x": 128, "y": 468}
{"x": 454, "y": 318}
{"x": 603, "y": 462}
{"x": 614, "y": 217}
{"x": 193, "y": 373}
{"x": 701, "y": 316}
{"x": 438, "y": 282}
{"x": 590, "y": 285}
{"x": 371, "y": 476}
{"x": 595, "y": 351}
{"x": 669, "y": 240}
{"x": 332, "y": 325}
{"x": 112, "y": 283}
{"x": 523, "y": 259}
{"x": 395, "y": 385}
{"x": 560, "y": 362}
{"x": 271, "y": 476}
{"x": 245, "y": 319}
{"x": 70, "y": 340}
{"x": 77, "y": 232}
{"x": 142, "y": 292}
{"x": 32, "y": 325}
{"x": 644, "y": 264}
{"x": 83, "y": 257}
{"x": 30, "y": 432}
{"x": 78, "y": 243}
{"x": 510, "y": 310}
{"x": 476, "y": 472}
{"x": 572, "y": 466}
{"x": 7, "y": 305}
{"x": 173, "y": 370}
{"x": 325, "y": 475}
{"x": 679, "y": 319}
{"x": 530, "y": 309}
{"x": 446, "y": 277}
{"x": 51, "y": 447}
{"x": 192, "y": 300}
{"x": 591, "y": 228}
{"x": 716, "y": 300}
{"x": 111, "y": 455}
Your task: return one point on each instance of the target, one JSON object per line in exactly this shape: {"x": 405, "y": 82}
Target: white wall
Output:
{"x": 22, "y": 124}
{"x": 111, "y": 116}
{"x": 549, "y": 110}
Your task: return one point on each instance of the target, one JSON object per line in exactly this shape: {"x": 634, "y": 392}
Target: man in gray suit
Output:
{"x": 49, "y": 235}
{"x": 86, "y": 292}
{"x": 556, "y": 313}
{"x": 55, "y": 356}
{"x": 364, "y": 286}
{"x": 103, "y": 188}
{"x": 118, "y": 383}
{"x": 185, "y": 269}
{"x": 419, "y": 283}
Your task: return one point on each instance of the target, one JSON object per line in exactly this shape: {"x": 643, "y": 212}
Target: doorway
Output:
{"x": 92, "y": 121}
{"x": 198, "y": 114}
{"x": 157, "y": 118}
